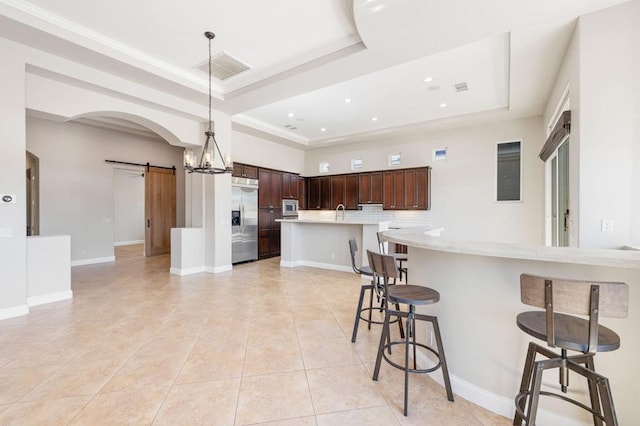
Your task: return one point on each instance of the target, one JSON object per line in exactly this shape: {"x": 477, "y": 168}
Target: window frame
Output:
{"x": 495, "y": 171}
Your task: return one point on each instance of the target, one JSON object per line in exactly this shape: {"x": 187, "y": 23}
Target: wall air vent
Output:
{"x": 461, "y": 87}
{"x": 224, "y": 66}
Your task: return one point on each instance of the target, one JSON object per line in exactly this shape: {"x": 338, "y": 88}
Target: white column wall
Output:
{"x": 606, "y": 126}
{"x": 13, "y": 291}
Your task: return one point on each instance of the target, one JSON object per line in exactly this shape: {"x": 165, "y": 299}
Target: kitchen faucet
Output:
{"x": 338, "y": 208}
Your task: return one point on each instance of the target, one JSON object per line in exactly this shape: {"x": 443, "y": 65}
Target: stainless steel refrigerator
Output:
{"x": 244, "y": 220}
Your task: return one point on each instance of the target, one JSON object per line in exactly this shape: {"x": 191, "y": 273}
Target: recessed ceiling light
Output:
{"x": 428, "y": 79}
{"x": 347, "y": 100}
{"x": 323, "y": 130}
{"x": 374, "y": 118}
{"x": 443, "y": 105}
{"x": 290, "y": 115}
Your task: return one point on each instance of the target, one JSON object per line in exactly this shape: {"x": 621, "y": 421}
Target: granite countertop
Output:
{"x": 416, "y": 237}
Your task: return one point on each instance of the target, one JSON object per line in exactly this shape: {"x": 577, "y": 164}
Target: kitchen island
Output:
{"x": 323, "y": 243}
{"x": 480, "y": 299}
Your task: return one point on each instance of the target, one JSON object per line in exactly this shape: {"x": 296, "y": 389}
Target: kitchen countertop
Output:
{"x": 416, "y": 237}
{"x": 334, "y": 222}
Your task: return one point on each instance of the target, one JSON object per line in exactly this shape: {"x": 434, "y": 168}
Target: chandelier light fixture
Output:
{"x": 206, "y": 163}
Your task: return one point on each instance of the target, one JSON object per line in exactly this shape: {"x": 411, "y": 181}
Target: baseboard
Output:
{"x": 321, "y": 265}
{"x": 14, "y": 311}
{"x": 82, "y": 262}
{"x": 128, "y": 243}
{"x": 289, "y": 264}
{"x": 49, "y": 298}
{"x": 187, "y": 271}
{"x": 488, "y": 400}
{"x": 218, "y": 269}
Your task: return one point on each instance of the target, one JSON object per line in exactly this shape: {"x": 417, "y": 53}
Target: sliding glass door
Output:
{"x": 558, "y": 170}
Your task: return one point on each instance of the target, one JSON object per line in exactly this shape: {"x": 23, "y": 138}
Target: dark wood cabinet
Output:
{"x": 344, "y": 190}
{"x": 245, "y": 171}
{"x": 319, "y": 193}
{"x": 302, "y": 193}
{"x": 325, "y": 193}
{"x": 417, "y": 188}
{"x": 351, "y": 192}
{"x": 393, "y": 192}
{"x": 290, "y": 186}
{"x": 268, "y": 233}
{"x": 338, "y": 187}
{"x": 269, "y": 189}
{"x": 370, "y": 188}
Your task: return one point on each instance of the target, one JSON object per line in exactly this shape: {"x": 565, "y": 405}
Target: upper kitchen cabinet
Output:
{"x": 393, "y": 195}
{"x": 417, "y": 185}
{"x": 344, "y": 190}
{"x": 337, "y": 191}
{"x": 290, "y": 189}
{"x": 269, "y": 189}
{"x": 302, "y": 193}
{"x": 351, "y": 192}
{"x": 319, "y": 193}
{"x": 245, "y": 171}
{"x": 370, "y": 188}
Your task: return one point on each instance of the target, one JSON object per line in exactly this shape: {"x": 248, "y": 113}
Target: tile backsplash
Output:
{"x": 402, "y": 218}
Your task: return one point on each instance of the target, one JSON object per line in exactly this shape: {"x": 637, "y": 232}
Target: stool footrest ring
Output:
{"x": 412, "y": 370}
{"x": 525, "y": 394}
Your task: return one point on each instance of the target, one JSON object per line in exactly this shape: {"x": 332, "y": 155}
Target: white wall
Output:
{"x": 635, "y": 206}
{"x": 606, "y": 126}
{"x": 128, "y": 205}
{"x": 598, "y": 69}
{"x": 463, "y": 187}
{"x": 77, "y": 186}
{"x": 13, "y": 293}
{"x": 256, "y": 149}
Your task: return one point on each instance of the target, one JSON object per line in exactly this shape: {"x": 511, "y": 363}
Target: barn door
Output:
{"x": 160, "y": 210}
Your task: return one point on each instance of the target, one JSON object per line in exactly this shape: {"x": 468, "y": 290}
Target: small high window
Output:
{"x": 509, "y": 171}
{"x": 324, "y": 167}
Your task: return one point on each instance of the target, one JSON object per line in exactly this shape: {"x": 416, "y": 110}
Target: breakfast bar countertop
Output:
{"x": 418, "y": 237}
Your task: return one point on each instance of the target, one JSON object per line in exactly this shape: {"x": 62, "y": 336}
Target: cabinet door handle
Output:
{"x": 148, "y": 223}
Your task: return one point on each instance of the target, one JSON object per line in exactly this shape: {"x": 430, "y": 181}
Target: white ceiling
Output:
{"x": 307, "y": 56}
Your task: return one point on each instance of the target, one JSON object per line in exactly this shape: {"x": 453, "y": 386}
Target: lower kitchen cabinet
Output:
{"x": 268, "y": 233}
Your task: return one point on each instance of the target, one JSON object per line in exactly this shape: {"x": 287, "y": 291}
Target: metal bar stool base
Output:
{"x": 360, "y": 311}
{"x": 410, "y": 342}
{"x": 602, "y": 408}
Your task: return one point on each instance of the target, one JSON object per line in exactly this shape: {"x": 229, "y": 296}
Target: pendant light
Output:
{"x": 207, "y": 159}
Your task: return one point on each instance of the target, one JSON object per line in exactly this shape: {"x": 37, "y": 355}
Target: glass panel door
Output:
{"x": 560, "y": 214}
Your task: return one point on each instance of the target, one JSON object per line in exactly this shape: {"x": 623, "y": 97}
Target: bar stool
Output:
{"x": 592, "y": 299}
{"x": 400, "y": 257}
{"x": 374, "y": 287}
{"x": 412, "y": 295}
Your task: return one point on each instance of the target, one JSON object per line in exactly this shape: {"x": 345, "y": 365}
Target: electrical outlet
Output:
{"x": 607, "y": 225}
{"x": 333, "y": 256}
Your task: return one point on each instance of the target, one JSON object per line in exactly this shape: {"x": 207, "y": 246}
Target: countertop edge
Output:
{"x": 415, "y": 237}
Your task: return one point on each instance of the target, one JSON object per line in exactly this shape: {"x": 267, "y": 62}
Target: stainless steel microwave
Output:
{"x": 289, "y": 208}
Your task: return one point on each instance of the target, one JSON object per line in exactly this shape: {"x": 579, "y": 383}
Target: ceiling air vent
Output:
{"x": 224, "y": 66}
{"x": 461, "y": 87}
{"x": 290, "y": 127}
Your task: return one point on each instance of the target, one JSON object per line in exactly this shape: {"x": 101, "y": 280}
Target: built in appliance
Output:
{"x": 289, "y": 208}
{"x": 244, "y": 220}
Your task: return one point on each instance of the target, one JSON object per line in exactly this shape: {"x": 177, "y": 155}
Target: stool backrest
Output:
{"x": 353, "y": 248}
{"x": 384, "y": 269}
{"x": 589, "y": 298}
{"x": 381, "y": 246}
{"x": 574, "y": 297}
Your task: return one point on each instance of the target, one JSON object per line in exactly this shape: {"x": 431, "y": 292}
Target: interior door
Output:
{"x": 560, "y": 214}
{"x": 160, "y": 210}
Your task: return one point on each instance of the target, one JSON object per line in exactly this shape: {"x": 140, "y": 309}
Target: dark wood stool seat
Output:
{"x": 570, "y": 332}
{"x": 558, "y": 298}
{"x": 385, "y": 266}
{"x": 373, "y": 287}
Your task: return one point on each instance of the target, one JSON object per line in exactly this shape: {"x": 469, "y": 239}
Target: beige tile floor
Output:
{"x": 258, "y": 345}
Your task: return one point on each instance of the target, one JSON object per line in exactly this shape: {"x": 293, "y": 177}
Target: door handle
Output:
{"x": 566, "y": 216}
{"x": 148, "y": 223}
